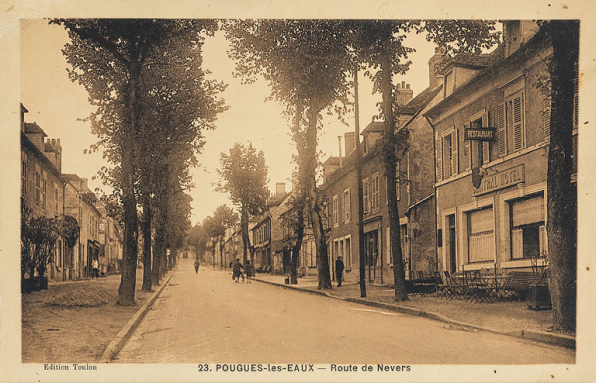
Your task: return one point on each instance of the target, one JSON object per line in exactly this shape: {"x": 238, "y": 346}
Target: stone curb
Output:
{"x": 118, "y": 342}
{"x": 539, "y": 336}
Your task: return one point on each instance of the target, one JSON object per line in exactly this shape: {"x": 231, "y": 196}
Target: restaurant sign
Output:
{"x": 500, "y": 180}
{"x": 480, "y": 134}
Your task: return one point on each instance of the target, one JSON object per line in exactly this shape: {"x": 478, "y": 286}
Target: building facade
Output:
{"x": 491, "y": 194}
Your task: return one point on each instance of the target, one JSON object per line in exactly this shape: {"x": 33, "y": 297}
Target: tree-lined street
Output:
{"x": 207, "y": 318}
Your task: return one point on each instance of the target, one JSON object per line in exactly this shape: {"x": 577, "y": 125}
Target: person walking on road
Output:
{"x": 197, "y": 264}
{"x": 339, "y": 271}
{"x": 248, "y": 269}
{"x": 237, "y": 271}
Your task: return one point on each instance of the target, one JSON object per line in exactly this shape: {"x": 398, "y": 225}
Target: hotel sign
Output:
{"x": 480, "y": 134}
{"x": 501, "y": 180}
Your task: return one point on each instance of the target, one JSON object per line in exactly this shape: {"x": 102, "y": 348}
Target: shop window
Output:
{"x": 528, "y": 233}
{"x": 481, "y": 235}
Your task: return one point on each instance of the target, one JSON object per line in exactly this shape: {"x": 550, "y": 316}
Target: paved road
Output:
{"x": 207, "y": 318}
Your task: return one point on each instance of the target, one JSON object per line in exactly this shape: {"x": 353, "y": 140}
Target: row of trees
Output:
{"x": 153, "y": 103}
{"x": 309, "y": 65}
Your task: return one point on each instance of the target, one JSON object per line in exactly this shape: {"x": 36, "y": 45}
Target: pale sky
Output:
{"x": 56, "y": 104}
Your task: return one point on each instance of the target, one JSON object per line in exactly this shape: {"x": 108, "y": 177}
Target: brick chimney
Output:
{"x": 349, "y": 142}
{"x": 23, "y": 111}
{"x": 403, "y": 94}
{"x": 434, "y": 79}
{"x": 53, "y": 150}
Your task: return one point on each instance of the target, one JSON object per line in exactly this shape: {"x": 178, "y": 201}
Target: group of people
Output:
{"x": 237, "y": 271}
{"x": 249, "y": 270}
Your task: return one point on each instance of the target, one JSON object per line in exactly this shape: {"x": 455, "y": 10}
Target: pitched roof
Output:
{"x": 32, "y": 127}
{"x": 374, "y": 126}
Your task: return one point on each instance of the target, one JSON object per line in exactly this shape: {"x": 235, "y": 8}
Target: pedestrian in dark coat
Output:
{"x": 339, "y": 271}
{"x": 249, "y": 270}
{"x": 237, "y": 271}
{"x": 197, "y": 264}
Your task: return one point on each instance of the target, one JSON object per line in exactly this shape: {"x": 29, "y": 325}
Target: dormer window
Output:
{"x": 448, "y": 83}
{"x": 364, "y": 145}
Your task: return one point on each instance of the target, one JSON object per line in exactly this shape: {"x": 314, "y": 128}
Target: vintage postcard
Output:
{"x": 308, "y": 191}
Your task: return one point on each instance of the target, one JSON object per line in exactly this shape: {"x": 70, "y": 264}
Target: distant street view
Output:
{"x": 299, "y": 191}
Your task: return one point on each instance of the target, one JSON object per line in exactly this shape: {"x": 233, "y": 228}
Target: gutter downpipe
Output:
{"x": 434, "y": 189}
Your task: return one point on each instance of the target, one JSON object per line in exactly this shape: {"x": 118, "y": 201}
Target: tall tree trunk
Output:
{"x": 298, "y": 244}
{"x": 126, "y": 290}
{"x": 300, "y": 196}
{"x": 389, "y": 160}
{"x": 361, "y": 254}
{"x": 314, "y": 208}
{"x": 146, "y": 228}
{"x": 562, "y": 197}
{"x": 159, "y": 248}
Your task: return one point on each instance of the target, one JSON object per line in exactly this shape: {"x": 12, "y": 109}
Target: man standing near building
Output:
{"x": 339, "y": 271}
{"x": 95, "y": 265}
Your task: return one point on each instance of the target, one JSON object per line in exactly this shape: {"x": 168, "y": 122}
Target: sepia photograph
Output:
{"x": 250, "y": 194}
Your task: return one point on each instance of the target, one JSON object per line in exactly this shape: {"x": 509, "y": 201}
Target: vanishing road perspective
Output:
{"x": 207, "y": 318}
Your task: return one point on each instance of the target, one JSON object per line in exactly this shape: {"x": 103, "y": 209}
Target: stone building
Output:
{"x": 415, "y": 193}
{"x": 42, "y": 184}
{"x": 82, "y": 204}
{"x": 491, "y": 193}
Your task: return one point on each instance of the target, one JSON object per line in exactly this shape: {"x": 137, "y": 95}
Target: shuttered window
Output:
{"x": 366, "y": 195}
{"x": 397, "y": 182}
{"x": 467, "y": 151}
{"x": 485, "y": 144}
{"x": 335, "y": 211}
{"x": 347, "y": 206}
{"x": 516, "y": 106}
{"x": 528, "y": 231}
{"x": 501, "y": 130}
{"x": 546, "y": 114}
{"x": 481, "y": 235}
{"x": 439, "y": 158}
{"x": 528, "y": 211}
{"x": 454, "y": 162}
{"x": 374, "y": 193}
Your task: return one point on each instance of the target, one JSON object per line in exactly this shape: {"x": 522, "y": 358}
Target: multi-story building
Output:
{"x": 414, "y": 192}
{"x": 42, "y": 183}
{"x": 82, "y": 204}
{"x": 491, "y": 194}
{"x": 110, "y": 240}
{"x": 267, "y": 234}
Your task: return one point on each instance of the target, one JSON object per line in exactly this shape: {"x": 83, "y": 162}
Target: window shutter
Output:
{"x": 518, "y": 123}
{"x": 439, "y": 158}
{"x": 501, "y": 130}
{"x": 575, "y": 95}
{"x": 397, "y": 181}
{"x": 454, "y": 159}
{"x": 546, "y": 114}
{"x": 543, "y": 240}
{"x": 468, "y": 150}
{"x": 348, "y": 206}
{"x": 485, "y": 144}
